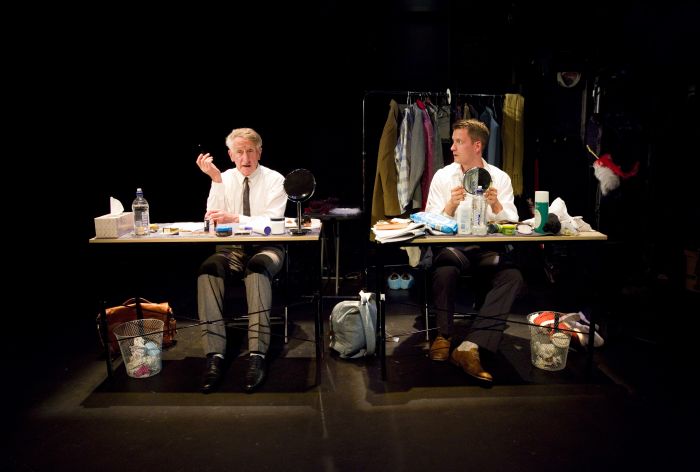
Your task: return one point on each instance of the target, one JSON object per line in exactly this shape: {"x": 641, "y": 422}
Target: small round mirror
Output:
{"x": 474, "y": 177}
{"x": 299, "y": 185}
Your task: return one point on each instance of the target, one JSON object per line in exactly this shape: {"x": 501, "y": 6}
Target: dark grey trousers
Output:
{"x": 501, "y": 281}
{"x": 257, "y": 265}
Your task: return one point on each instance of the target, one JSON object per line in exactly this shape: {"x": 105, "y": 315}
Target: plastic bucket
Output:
{"x": 140, "y": 342}
{"x": 549, "y": 345}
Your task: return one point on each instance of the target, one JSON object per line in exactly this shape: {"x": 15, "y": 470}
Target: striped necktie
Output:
{"x": 246, "y": 197}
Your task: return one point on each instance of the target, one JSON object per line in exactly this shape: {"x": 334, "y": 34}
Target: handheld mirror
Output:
{"x": 474, "y": 177}
{"x": 299, "y": 185}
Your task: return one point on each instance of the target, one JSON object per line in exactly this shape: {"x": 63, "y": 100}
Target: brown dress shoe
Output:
{"x": 469, "y": 362}
{"x": 440, "y": 349}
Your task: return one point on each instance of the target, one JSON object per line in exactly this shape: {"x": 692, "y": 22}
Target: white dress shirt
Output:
{"x": 267, "y": 195}
{"x": 450, "y": 176}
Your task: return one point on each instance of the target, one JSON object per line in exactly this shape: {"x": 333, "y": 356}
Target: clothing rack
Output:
{"x": 480, "y": 95}
{"x": 398, "y": 93}
{"x": 408, "y": 94}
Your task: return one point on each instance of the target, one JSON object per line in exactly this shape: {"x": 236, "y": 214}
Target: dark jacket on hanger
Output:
{"x": 385, "y": 199}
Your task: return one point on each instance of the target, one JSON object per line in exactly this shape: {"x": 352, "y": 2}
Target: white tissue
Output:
{"x": 570, "y": 225}
{"x": 558, "y": 207}
{"x": 345, "y": 211}
{"x": 115, "y": 206}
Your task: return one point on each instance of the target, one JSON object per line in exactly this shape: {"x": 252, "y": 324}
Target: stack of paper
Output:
{"x": 410, "y": 231}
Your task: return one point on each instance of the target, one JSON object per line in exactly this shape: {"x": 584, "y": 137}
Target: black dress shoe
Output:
{"x": 255, "y": 374}
{"x": 213, "y": 374}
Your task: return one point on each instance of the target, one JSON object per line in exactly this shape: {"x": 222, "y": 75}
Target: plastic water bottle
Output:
{"x": 142, "y": 218}
{"x": 479, "y": 213}
{"x": 464, "y": 216}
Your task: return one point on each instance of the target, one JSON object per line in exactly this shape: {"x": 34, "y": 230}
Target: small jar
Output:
{"x": 224, "y": 230}
{"x": 277, "y": 225}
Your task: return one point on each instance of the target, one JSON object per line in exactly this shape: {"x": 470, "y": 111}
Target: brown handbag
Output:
{"x": 127, "y": 311}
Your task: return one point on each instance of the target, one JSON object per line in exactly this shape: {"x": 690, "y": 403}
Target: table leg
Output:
{"x": 323, "y": 239}
{"x": 98, "y": 263}
{"x": 381, "y": 313}
{"x": 319, "y": 339}
{"x": 105, "y": 339}
{"x": 337, "y": 254}
{"x": 594, "y": 294}
{"x": 318, "y": 325}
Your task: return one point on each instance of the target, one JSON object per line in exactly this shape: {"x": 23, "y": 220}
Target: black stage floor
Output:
{"x": 633, "y": 413}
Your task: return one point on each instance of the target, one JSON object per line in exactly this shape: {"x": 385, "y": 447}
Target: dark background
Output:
{"x": 133, "y": 92}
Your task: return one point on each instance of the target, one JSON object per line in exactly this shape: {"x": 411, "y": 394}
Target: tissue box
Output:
{"x": 114, "y": 226}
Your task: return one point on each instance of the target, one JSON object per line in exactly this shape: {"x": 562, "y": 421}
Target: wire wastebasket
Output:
{"x": 141, "y": 343}
{"x": 549, "y": 345}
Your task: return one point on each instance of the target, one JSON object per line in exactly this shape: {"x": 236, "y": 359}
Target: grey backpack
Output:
{"x": 353, "y": 327}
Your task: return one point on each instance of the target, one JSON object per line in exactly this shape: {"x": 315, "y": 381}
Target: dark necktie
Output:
{"x": 246, "y": 197}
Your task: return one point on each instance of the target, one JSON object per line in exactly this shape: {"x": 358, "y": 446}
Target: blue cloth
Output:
{"x": 492, "y": 153}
